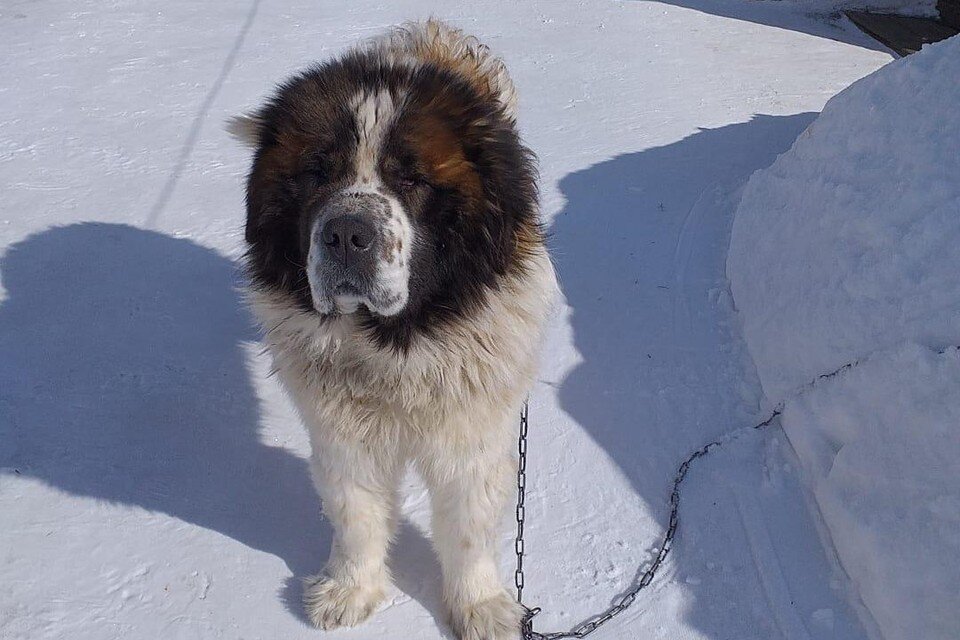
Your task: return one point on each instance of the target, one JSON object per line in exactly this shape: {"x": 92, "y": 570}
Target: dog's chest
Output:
{"x": 338, "y": 364}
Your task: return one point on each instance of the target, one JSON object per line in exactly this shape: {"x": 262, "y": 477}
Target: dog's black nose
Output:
{"x": 347, "y": 238}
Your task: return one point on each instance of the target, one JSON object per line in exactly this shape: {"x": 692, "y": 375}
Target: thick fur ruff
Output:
{"x": 436, "y": 380}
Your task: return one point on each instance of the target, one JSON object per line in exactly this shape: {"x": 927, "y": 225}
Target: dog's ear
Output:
{"x": 245, "y": 129}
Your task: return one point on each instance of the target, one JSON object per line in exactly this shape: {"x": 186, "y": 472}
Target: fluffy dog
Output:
{"x": 399, "y": 272}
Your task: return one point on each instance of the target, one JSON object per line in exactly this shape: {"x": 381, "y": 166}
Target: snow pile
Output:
{"x": 880, "y": 444}
{"x": 845, "y": 250}
{"x": 848, "y": 243}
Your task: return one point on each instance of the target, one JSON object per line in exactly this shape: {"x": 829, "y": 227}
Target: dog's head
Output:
{"x": 390, "y": 183}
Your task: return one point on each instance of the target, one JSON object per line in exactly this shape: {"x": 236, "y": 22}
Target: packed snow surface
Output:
{"x": 846, "y": 251}
{"x": 153, "y": 477}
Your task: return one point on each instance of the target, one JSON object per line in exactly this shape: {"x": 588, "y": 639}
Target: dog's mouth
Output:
{"x": 347, "y": 298}
{"x": 346, "y": 289}
{"x": 338, "y": 293}
{"x": 340, "y": 297}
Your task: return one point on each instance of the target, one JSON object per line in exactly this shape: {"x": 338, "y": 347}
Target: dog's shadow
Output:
{"x": 123, "y": 377}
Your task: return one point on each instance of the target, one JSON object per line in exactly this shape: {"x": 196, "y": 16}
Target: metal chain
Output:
{"x": 527, "y": 624}
{"x": 623, "y": 602}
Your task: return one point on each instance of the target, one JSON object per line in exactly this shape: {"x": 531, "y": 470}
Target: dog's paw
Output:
{"x": 497, "y": 618}
{"x": 330, "y": 603}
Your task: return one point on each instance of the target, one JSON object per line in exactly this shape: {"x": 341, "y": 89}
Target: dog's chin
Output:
{"x": 345, "y": 300}
{"x": 347, "y": 304}
{"x": 337, "y": 304}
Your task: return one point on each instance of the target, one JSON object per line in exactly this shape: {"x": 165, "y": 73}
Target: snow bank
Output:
{"x": 880, "y": 445}
{"x": 848, "y": 249}
{"x": 848, "y": 243}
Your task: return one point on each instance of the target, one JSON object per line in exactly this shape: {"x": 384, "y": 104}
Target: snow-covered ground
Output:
{"x": 845, "y": 251}
{"x": 152, "y": 477}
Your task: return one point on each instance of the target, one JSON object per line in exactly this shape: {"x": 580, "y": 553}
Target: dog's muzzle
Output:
{"x": 345, "y": 251}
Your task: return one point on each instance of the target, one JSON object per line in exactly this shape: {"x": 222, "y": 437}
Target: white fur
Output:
{"x": 393, "y": 273}
{"x": 448, "y": 406}
{"x": 374, "y": 112}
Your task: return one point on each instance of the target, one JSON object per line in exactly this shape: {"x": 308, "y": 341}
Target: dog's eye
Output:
{"x": 317, "y": 169}
{"x": 317, "y": 173}
{"x": 411, "y": 182}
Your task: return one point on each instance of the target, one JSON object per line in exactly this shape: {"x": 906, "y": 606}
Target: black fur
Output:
{"x": 466, "y": 241}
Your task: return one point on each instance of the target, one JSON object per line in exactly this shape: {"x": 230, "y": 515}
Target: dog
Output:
{"x": 398, "y": 269}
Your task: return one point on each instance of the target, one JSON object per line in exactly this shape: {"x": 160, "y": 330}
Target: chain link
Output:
{"x": 623, "y": 602}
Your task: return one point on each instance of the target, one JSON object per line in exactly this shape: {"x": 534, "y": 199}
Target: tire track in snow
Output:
{"x": 194, "y": 135}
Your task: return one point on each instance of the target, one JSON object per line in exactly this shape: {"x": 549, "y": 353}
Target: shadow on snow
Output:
{"x": 640, "y": 248}
{"x": 124, "y": 378}
{"x": 786, "y": 15}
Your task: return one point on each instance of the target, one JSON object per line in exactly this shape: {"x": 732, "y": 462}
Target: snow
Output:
{"x": 152, "y": 475}
{"x": 844, "y": 251}
{"x": 855, "y": 228}
{"x": 880, "y": 445}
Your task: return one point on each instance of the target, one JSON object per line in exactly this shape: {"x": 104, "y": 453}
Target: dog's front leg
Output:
{"x": 470, "y": 485}
{"x": 358, "y": 491}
